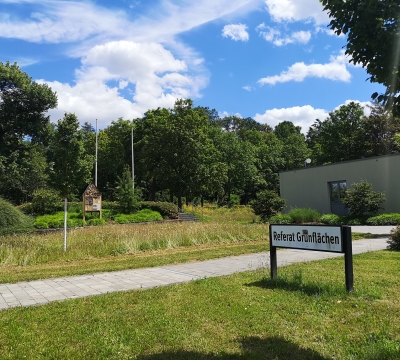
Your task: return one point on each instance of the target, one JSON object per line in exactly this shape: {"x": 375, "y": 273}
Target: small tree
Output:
{"x": 71, "y": 165}
{"x": 394, "y": 239}
{"x": 45, "y": 201}
{"x": 125, "y": 193}
{"x": 361, "y": 199}
{"x": 267, "y": 204}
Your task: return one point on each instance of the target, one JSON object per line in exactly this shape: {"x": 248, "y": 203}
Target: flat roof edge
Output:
{"x": 340, "y": 163}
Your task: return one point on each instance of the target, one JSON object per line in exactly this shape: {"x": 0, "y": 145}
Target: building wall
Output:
{"x": 309, "y": 187}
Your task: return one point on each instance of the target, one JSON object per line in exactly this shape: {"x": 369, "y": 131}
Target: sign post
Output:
{"x": 316, "y": 238}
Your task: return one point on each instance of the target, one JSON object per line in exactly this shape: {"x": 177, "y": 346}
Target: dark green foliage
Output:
{"x": 281, "y": 219}
{"x": 331, "y": 219}
{"x": 45, "y": 201}
{"x": 354, "y": 220}
{"x": 96, "y": 222}
{"x": 56, "y": 221}
{"x": 304, "y": 215}
{"x": 267, "y": 204}
{"x": 166, "y": 209}
{"x": 71, "y": 165}
{"x": 23, "y": 104}
{"x": 13, "y": 219}
{"x": 361, "y": 199}
{"x": 384, "y": 219}
{"x": 125, "y": 193}
{"x": 372, "y": 40}
{"x": 144, "y": 215}
{"x": 338, "y": 138}
{"x": 394, "y": 239}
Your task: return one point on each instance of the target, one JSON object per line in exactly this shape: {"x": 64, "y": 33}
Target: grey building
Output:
{"x": 320, "y": 187}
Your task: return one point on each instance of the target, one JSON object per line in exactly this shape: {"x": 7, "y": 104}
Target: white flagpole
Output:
{"x": 95, "y": 167}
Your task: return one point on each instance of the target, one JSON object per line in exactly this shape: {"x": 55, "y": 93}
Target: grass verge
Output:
{"x": 305, "y": 314}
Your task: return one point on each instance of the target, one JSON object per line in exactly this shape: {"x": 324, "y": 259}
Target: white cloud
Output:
{"x": 236, "y": 32}
{"x": 335, "y": 70}
{"x": 364, "y": 104}
{"x": 147, "y": 70}
{"x": 303, "y": 116}
{"x": 247, "y": 88}
{"x": 138, "y": 53}
{"x": 297, "y": 10}
{"x": 273, "y": 35}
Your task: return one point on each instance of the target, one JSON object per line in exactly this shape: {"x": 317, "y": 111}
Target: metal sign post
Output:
{"x": 316, "y": 238}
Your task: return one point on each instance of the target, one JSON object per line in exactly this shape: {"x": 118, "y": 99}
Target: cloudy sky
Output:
{"x": 271, "y": 60}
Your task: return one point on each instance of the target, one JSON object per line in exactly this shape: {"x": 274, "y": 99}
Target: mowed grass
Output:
{"x": 305, "y": 314}
{"x": 116, "y": 247}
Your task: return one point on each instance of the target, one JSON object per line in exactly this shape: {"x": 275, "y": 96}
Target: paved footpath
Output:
{"x": 44, "y": 291}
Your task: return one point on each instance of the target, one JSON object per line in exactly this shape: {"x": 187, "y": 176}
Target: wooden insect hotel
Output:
{"x": 91, "y": 200}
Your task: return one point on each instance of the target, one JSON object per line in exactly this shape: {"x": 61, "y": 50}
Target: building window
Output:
{"x": 338, "y": 191}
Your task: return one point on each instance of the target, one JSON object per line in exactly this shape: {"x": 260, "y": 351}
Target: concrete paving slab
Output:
{"x": 44, "y": 291}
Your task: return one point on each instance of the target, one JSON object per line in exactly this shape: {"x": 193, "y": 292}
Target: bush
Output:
{"x": 394, "y": 239}
{"x": 145, "y": 215}
{"x": 331, "y": 219}
{"x": 46, "y": 201}
{"x": 96, "y": 222}
{"x": 281, "y": 219}
{"x": 354, "y": 220}
{"x": 267, "y": 204}
{"x": 384, "y": 219}
{"x": 125, "y": 194}
{"x": 361, "y": 199}
{"x": 166, "y": 209}
{"x": 12, "y": 219}
{"x": 56, "y": 221}
{"x": 304, "y": 215}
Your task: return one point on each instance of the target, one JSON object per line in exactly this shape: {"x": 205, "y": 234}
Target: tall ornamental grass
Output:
{"x": 113, "y": 240}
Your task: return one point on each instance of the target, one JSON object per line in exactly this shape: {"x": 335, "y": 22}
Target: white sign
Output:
{"x": 96, "y": 207}
{"x": 321, "y": 238}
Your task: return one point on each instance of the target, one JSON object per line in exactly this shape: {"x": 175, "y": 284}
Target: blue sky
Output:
{"x": 272, "y": 60}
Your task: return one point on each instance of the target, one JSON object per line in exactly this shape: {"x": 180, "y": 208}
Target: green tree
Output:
{"x": 175, "y": 147}
{"x": 125, "y": 193}
{"x": 267, "y": 204}
{"x": 373, "y": 40}
{"x": 294, "y": 147}
{"x": 114, "y": 153}
{"x": 24, "y": 125}
{"x": 339, "y": 137}
{"x": 23, "y": 107}
{"x": 72, "y": 167}
{"x": 361, "y": 199}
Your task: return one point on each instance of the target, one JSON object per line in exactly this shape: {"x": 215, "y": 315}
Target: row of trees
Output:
{"x": 181, "y": 152}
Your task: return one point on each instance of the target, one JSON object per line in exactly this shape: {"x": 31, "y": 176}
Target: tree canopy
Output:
{"x": 373, "y": 40}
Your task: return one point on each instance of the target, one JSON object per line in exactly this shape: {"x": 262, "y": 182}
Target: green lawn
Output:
{"x": 305, "y": 314}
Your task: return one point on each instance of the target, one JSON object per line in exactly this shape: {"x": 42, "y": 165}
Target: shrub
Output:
{"x": 125, "y": 194}
{"x": 12, "y": 219}
{"x": 304, "y": 215}
{"x": 384, "y": 219}
{"x": 46, "y": 201}
{"x": 145, "y": 215}
{"x": 267, "y": 204}
{"x": 166, "y": 209}
{"x": 354, "y": 220}
{"x": 281, "y": 219}
{"x": 331, "y": 219}
{"x": 96, "y": 222}
{"x": 40, "y": 224}
{"x": 394, "y": 239}
{"x": 361, "y": 199}
{"x": 56, "y": 221}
